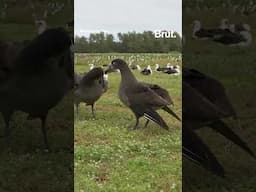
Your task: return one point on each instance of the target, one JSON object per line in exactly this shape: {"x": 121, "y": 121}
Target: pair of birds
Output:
{"x": 169, "y": 69}
{"x": 227, "y": 34}
{"x": 35, "y": 77}
{"x": 145, "y": 71}
{"x": 142, "y": 98}
{"x": 205, "y": 104}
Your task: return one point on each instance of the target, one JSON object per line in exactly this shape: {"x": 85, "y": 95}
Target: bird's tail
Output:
{"x": 156, "y": 118}
{"x": 224, "y": 130}
{"x": 195, "y": 150}
{"x": 168, "y": 110}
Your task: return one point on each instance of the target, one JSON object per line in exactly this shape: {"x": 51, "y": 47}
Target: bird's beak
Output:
{"x": 109, "y": 69}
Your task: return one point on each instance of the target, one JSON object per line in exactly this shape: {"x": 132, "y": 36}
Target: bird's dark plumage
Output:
{"x": 142, "y": 98}
{"x": 90, "y": 88}
{"x": 38, "y": 79}
{"x": 37, "y": 51}
{"x": 205, "y": 104}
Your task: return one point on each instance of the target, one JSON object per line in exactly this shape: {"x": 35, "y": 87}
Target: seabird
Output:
{"x": 90, "y": 88}
{"x": 91, "y": 66}
{"x": 39, "y": 78}
{"x": 147, "y": 71}
{"x": 210, "y": 105}
{"x": 240, "y": 39}
{"x": 143, "y": 99}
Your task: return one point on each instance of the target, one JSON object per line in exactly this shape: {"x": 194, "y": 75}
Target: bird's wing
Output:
{"x": 161, "y": 92}
{"x": 210, "y": 88}
{"x": 143, "y": 95}
{"x": 198, "y": 107}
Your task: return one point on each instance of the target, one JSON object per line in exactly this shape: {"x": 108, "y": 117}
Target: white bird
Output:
{"x": 91, "y": 65}
{"x": 156, "y": 67}
{"x": 169, "y": 66}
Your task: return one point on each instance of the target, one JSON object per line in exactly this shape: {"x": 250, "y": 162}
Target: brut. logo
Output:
{"x": 164, "y": 34}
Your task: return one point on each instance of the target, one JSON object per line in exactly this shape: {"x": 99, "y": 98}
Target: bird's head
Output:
{"x": 116, "y": 64}
{"x": 224, "y": 23}
{"x": 95, "y": 73}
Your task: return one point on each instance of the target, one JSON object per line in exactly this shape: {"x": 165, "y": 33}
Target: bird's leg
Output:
{"x": 93, "y": 114}
{"x": 136, "y": 124}
{"x": 146, "y": 124}
{"x": 44, "y": 131}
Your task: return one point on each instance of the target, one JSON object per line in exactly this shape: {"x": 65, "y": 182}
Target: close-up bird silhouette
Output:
{"x": 210, "y": 105}
{"x": 37, "y": 78}
{"x": 142, "y": 98}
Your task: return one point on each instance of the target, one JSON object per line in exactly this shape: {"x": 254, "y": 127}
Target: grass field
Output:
{"x": 25, "y": 166}
{"x": 235, "y": 68}
{"x": 109, "y": 156}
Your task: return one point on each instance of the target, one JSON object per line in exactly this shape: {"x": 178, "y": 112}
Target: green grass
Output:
{"x": 109, "y": 156}
{"x": 235, "y": 68}
{"x": 24, "y": 164}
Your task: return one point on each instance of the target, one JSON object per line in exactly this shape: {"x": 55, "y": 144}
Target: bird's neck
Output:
{"x": 127, "y": 77}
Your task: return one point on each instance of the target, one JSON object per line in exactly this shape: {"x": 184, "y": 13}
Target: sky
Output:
{"x": 113, "y": 16}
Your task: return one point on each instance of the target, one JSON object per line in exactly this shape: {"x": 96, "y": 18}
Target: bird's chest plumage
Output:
{"x": 89, "y": 93}
{"x": 122, "y": 94}
{"x": 40, "y": 93}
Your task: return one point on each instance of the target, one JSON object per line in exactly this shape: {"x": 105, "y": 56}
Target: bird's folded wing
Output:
{"x": 143, "y": 95}
{"x": 196, "y": 106}
{"x": 161, "y": 92}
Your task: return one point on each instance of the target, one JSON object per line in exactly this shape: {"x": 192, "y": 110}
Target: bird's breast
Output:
{"x": 122, "y": 96}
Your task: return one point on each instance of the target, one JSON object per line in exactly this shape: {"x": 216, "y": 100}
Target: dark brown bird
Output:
{"x": 205, "y": 104}
{"x": 142, "y": 98}
{"x": 38, "y": 78}
{"x": 90, "y": 88}
{"x": 77, "y": 78}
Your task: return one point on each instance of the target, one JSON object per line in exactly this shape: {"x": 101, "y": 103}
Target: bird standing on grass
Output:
{"x": 90, "y": 88}
{"x": 38, "y": 79}
{"x": 143, "y": 99}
